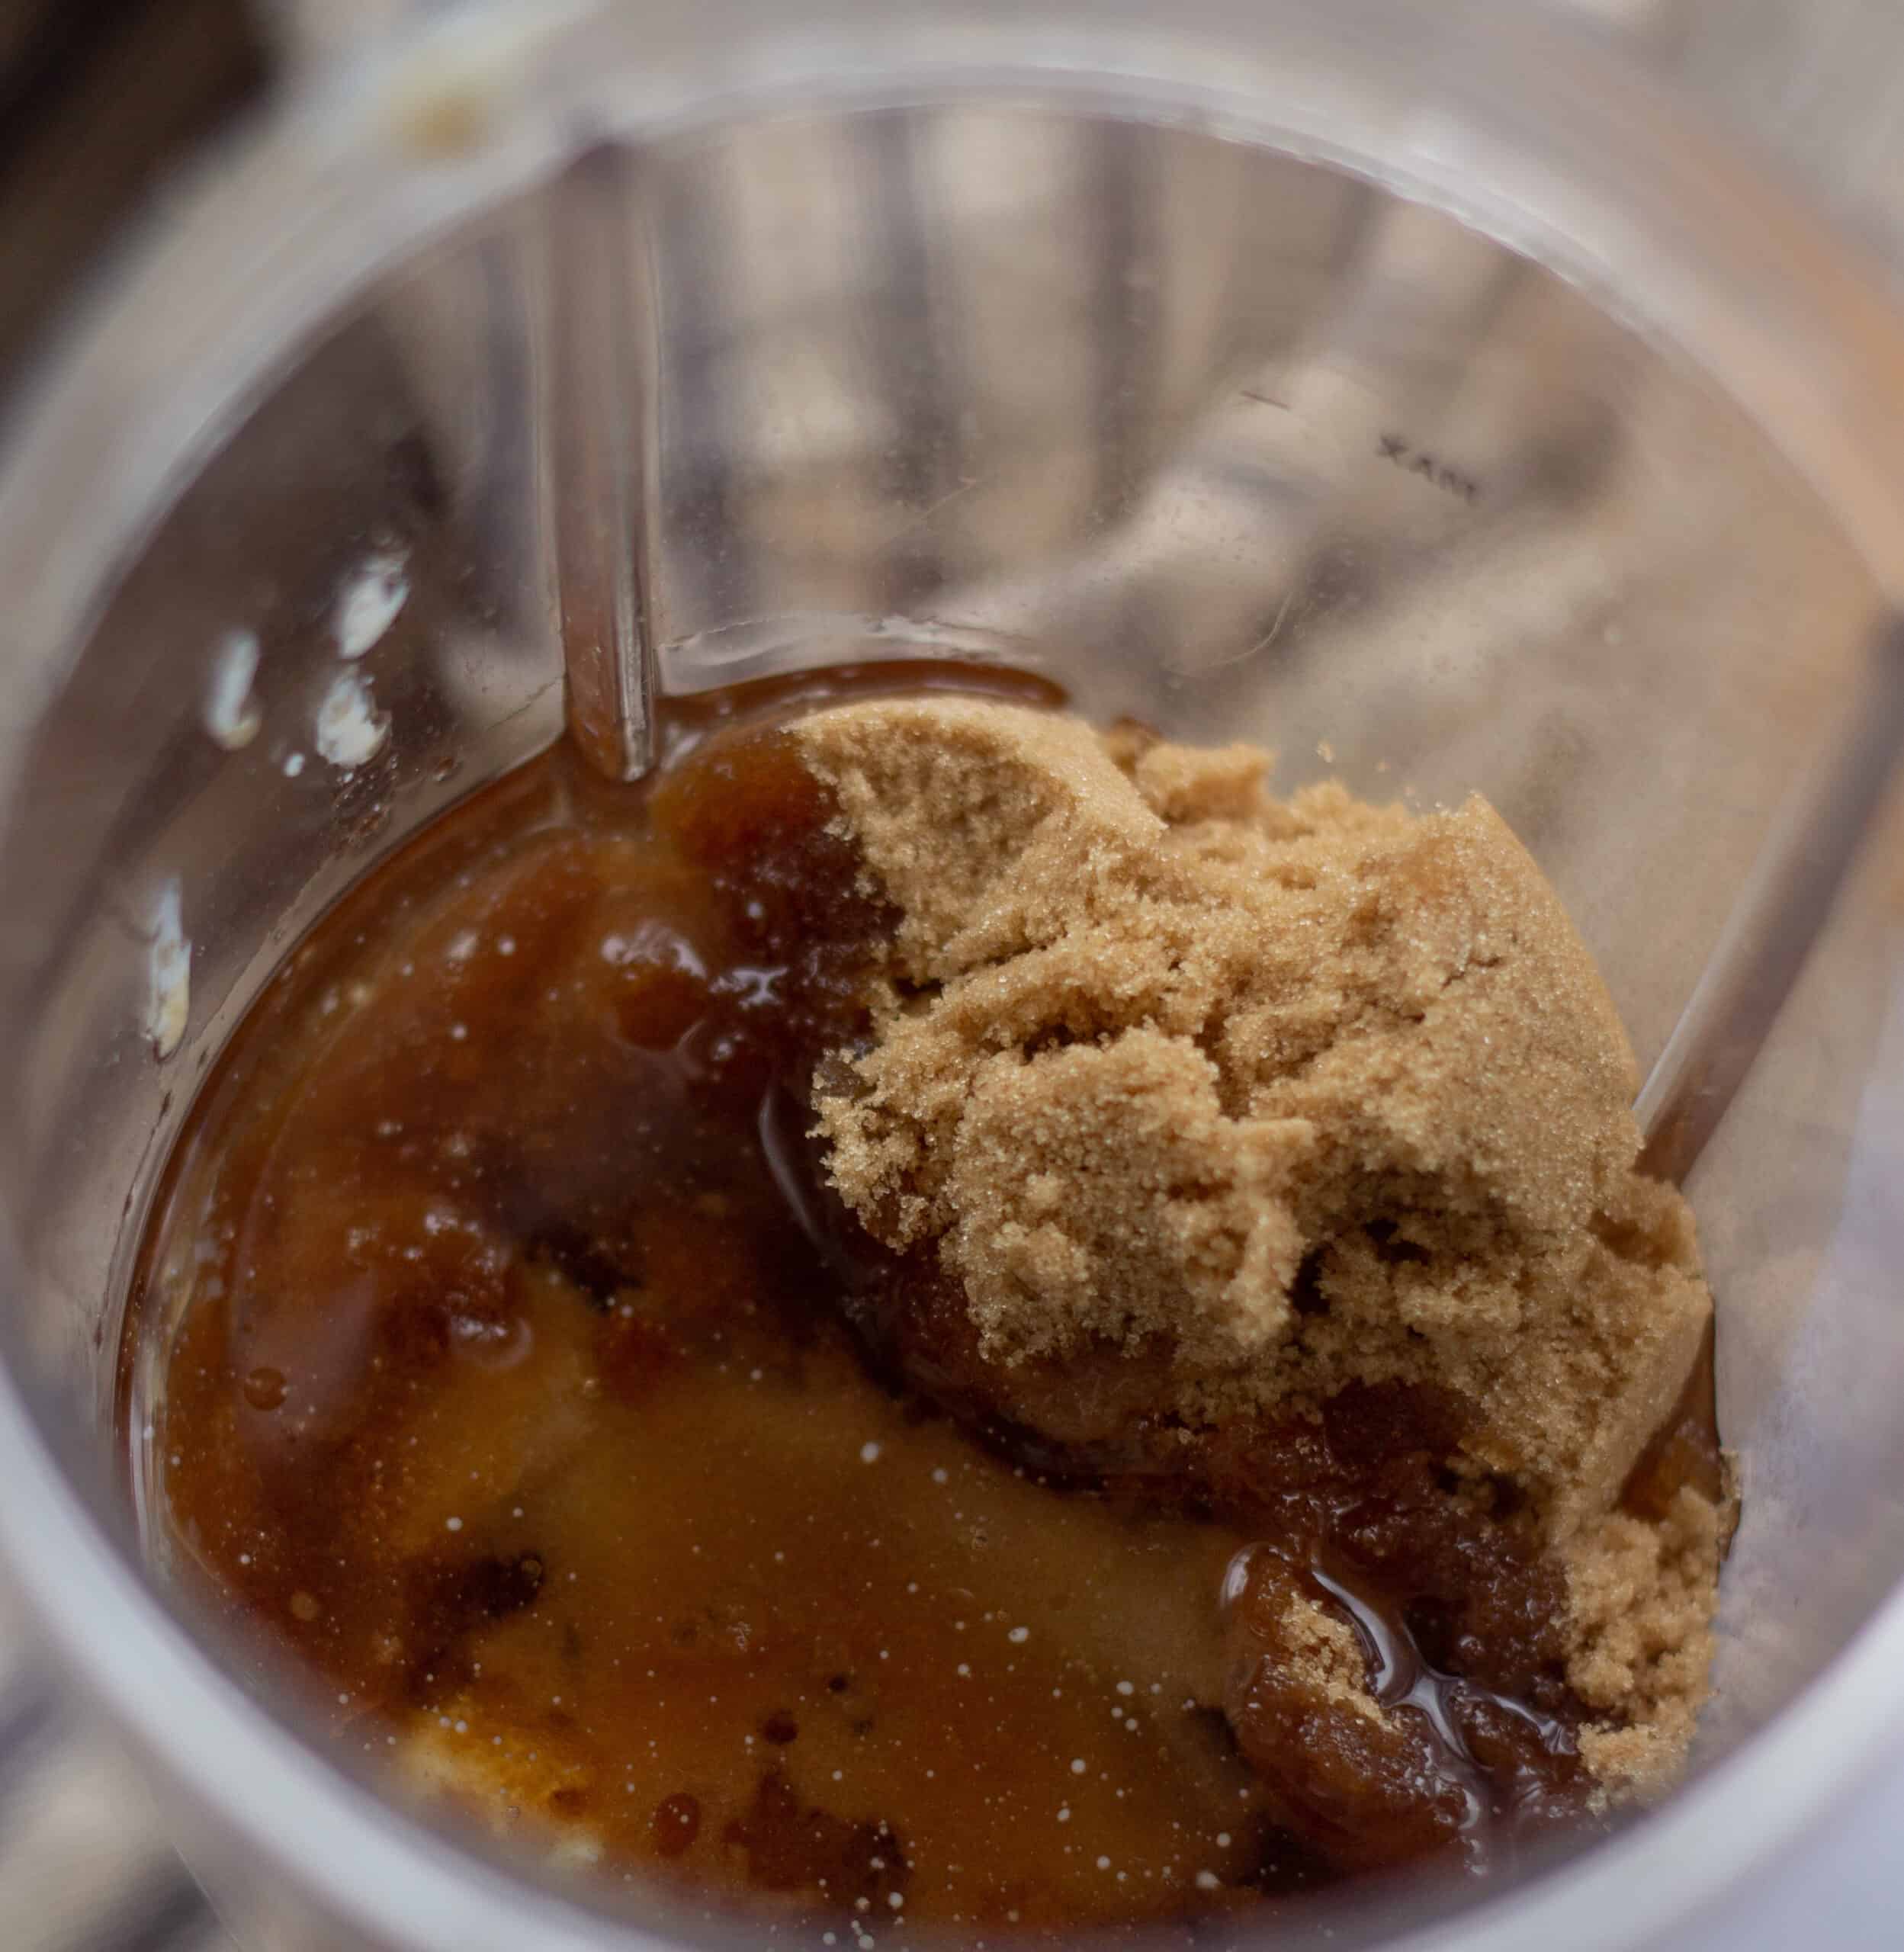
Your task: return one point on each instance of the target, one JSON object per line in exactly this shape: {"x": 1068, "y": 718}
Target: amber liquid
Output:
{"x": 526, "y": 1386}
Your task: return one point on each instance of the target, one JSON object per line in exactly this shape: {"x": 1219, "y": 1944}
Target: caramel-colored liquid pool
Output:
{"x": 527, "y": 1385}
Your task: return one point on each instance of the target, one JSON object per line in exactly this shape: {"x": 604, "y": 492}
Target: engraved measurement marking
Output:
{"x": 1418, "y": 461}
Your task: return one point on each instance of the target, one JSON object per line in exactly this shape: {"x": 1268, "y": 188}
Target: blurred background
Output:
{"x": 102, "y": 101}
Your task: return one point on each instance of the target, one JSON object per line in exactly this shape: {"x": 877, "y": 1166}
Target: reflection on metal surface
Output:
{"x": 590, "y": 404}
{"x": 86, "y": 1865}
{"x": 1777, "y": 915}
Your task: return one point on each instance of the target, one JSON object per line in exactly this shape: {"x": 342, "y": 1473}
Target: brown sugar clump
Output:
{"x": 1642, "y": 1599}
{"x": 1281, "y": 1098}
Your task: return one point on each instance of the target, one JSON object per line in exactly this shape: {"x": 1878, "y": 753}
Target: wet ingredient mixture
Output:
{"x": 941, "y": 1317}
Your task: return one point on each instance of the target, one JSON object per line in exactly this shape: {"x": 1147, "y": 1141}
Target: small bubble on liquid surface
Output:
{"x": 676, "y": 1824}
{"x": 264, "y": 1388}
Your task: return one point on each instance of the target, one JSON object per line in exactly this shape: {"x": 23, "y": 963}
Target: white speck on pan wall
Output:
{"x": 168, "y": 974}
{"x": 232, "y": 713}
{"x": 368, "y": 601}
{"x": 350, "y": 730}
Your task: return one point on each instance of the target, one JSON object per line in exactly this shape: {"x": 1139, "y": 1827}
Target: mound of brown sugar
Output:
{"x": 1277, "y": 1098}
